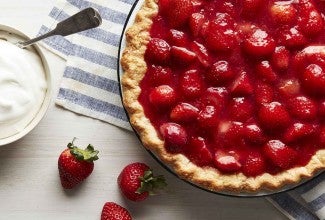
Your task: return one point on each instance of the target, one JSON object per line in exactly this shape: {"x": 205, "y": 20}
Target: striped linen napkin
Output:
{"x": 89, "y": 87}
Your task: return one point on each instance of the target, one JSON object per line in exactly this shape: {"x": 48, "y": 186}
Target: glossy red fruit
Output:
{"x": 322, "y": 136}
{"x": 321, "y": 109}
{"x": 177, "y": 38}
{"x": 289, "y": 88}
{"x": 282, "y": 13}
{"x": 280, "y": 58}
{"x": 260, "y": 43}
{"x": 265, "y": 72}
{"x": 220, "y": 73}
{"x": 182, "y": 56}
{"x": 195, "y": 22}
{"x": 162, "y": 96}
{"x": 292, "y": 37}
{"x": 254, "y": 134}
{"x": 280, "y": 154}
{"x": 254, "y": 165}
{"x": 313, "y": 79}
{"x": 227, "y": 162}
{"x": 251, "y": 7}
{"x": 220, "y": 34}
{"x": 240, "y": 109}
{"x": 136, "y": 182}
{"x": 311, "y": 22}
{"x": 209, "y": 116}
{"x": 263, "y": 93}
{"x": 75, "y": 164}
{"x": 230, "y": 133}
{"x": 273, "y": 116}
{"x": 159, "y": 75}
{"x": 298, "y": 131}
{"x": 191, "y": 83}
{"x": 302, "y": 107}
{"x": 174, "y": 135}
{"x": 202, "y": 53}
{"x": 215, "y": 96}
{"x": 242, "y": 85}
{"x": 113, "y": 211}
{"x": 158, "y": 51}
{"x": 184, "y": 112}
{"x": 198, "y": 152}
{"x": 178, "y": 12}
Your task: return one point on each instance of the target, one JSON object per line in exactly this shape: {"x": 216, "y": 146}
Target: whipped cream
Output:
{"x": 22, "y": 87}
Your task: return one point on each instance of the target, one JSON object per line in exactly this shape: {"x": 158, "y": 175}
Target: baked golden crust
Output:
{"x": 134, "y": 66}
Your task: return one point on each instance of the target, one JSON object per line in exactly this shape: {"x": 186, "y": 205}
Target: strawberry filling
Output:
{"x": 238, "y": 85}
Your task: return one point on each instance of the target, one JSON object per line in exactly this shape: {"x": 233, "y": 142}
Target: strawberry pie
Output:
{"x": 229, "y": 93}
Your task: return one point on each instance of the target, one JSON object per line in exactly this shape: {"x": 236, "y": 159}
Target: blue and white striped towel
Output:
{"x": 89, "y": 87}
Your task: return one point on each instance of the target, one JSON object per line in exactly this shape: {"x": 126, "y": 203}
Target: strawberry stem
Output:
{"x": 89, "y": 154}
{"x": 151, "y": 184}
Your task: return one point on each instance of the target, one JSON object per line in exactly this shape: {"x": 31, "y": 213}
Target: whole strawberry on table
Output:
{"x": 76, "y": 164}
{"x": 137, "y": 182}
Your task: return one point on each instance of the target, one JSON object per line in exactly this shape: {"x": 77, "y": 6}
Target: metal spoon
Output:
{"x": 83, "y": 20}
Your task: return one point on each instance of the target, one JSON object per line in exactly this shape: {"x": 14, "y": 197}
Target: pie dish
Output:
{"x": 226, "y": 109}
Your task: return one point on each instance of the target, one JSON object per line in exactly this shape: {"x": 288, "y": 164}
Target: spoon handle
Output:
{"x": 83, "y": 20}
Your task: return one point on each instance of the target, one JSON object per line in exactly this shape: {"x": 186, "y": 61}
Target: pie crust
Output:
{"x": 134, "y": 66}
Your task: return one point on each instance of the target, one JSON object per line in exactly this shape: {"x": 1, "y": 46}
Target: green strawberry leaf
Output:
{"x": 151, "y": 184}
{"x": 89, "y": 154}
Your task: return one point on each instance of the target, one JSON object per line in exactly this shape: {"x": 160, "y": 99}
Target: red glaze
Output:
{"x": 242, "y": 93}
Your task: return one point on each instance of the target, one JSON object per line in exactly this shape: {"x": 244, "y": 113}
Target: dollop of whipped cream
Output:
{"x": 22, "y": 87}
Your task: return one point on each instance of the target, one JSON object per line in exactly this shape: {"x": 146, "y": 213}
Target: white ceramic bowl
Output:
{"x": 12, "y": 37}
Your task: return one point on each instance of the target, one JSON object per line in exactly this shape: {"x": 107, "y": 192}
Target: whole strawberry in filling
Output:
{"x": 238, "y": 86}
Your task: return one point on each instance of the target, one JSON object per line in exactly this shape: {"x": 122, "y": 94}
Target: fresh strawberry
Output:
{"x": 280, "y": 154}
{"x": 198, "y": 152}
{"x": 230, "y": 133}
{"x": 260, "y": 43}
{"x": 159, "y": 75}
{"x": 240, "y": 109}
{"x": 280, "y": 58}
{"x": 263, "y": 93}
{"x": 220, "y": 34}
{"x": 254, "y": 164}
{"x": 175, "y": 136}
{"x": 162, "y": 96}
{"x": 311, "y": 22}
{"x": 227, "y": 162}
{"x": 313, "y": 79}
{"x": 136, "y": 182}
{"x": 158, "y": 51}
{"x": 201, "y": 53}
{"x": 182, "y": 56}
{"x": 291, "y": 38}
{"x": 177, "y": 38}
{"x": 191, "y": 83}
{"x": 289, "y": 88}
{"x": 298, "y": 131}
{"x": 184, "y": 112}
{"x": 251, "y": 7}
{"x": 265, "y": 72}
{"x": 178, "y": 12}
{"x": 273, "y": 116}
{"x": 163, "y": 6}
{"x": 302, "y": 107}
{"x": 113, "y": 211}
{"x": 220, "y": 73}
{"x": 195, "y": 22}
{"x": 209, "y": 116}
{"x": 283, "y": 13}
{"x": 75, "y": 164}
{"x": 242, "y": 85}
{"x": 215, "y": 96}
{"x": 254, "y": 134}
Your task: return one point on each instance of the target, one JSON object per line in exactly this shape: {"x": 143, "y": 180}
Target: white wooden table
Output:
{"x": 29, "y": 183}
